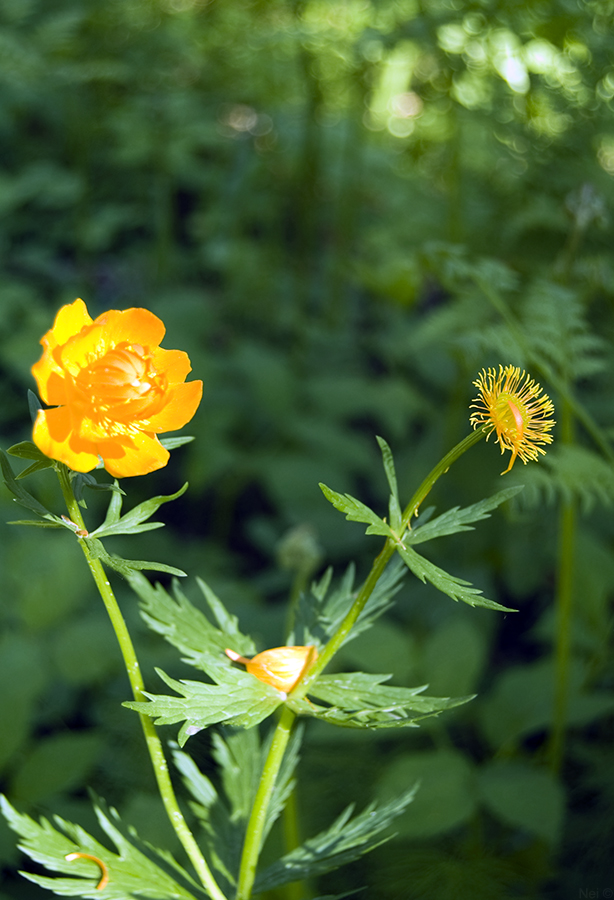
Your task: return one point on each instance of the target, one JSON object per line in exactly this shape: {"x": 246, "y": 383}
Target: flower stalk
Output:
{"x": 154, "y": 745}
{"x": 255, "y": 826}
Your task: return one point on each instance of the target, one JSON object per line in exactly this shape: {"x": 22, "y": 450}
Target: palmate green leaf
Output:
{"x": 237, "y": 698}
{"x": 125, "y": 567}
{"x": 136, "y": 869}
{"x": 22, "y": 496}
{"x": 347, "y": 839}
{"x": 319, "y": 614}
{"x": 456, "y": 588}
{"x": 355, "y": 511}
{"x": 457, "y": 519}
{"x": 359, "y": 700}
{"x": 187, "y": 628}
{"x": 135, "y": 520}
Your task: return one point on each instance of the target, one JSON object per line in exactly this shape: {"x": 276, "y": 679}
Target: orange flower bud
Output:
{"x": 282, "y": 667}
{"x": 113, "y": 389}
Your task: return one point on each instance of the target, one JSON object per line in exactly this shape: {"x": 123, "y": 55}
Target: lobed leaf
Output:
{"x": 237, "y": 698}
{"x": 20, "y": 495}
{"x": 126, "y": 567}
{"x": 355, "y": 511}
{"x": 457, "y": 519}
{"x": 394, "y": 506}
{"x": 187, "y": 628}
{"x": 456, "y": 588}
{"x": 359, "y": 700}
{"x": 135, "y": 869}
{"x": 346, "y": 840}
{"x": 134, "y": 521}
{"x": 319, "y": 613}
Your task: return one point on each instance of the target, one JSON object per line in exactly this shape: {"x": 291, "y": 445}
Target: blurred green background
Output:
{"x": 342, "y": 210}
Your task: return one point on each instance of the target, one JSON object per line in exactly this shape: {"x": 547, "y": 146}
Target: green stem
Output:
{"x": 152, "y": 740}
{"x": 382, "y": 560}
{"x": 257, "y": 819}
{"x": 564, "y": 607}
{"x": 255, "y": 826}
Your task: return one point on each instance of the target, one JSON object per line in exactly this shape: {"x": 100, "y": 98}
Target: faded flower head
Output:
{"x": 281, "y": 667}
{"x": 113, "y": 388}
{"x": 512, "y": 404}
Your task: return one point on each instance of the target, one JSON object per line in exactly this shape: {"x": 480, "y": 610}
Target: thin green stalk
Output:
{"x": 564, "y": 607}
{"x": 152, "y": 740}
{"x": 382, "y": 560}
{"x": 258, "y": 816}
{"x": 255, "y": 826}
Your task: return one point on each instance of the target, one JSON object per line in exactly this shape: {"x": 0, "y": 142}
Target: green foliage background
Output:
{"x": 342, "y": 210}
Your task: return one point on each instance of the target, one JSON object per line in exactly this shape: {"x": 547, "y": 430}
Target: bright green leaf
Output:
{"x": 237, "y": 698}
{"x": 135, "y": 869}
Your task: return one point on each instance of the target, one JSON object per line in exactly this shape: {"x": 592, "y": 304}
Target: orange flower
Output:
{"x": 113, "y": 388}
{"x": 282, "y": 667}
{"x": 511, "y": 404}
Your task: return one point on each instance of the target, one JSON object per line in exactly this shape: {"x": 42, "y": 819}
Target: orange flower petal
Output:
{"x": 136, "y": 326}
{"x": 115, "y": 388}
{"x": 141, "y": 455}
{"x": 53, "y": 435}
{"x": 68, "y": 322}
{"x": 182, "y": 404}
{"x": 175, "y": 364}
{"x": 281, "y": 667}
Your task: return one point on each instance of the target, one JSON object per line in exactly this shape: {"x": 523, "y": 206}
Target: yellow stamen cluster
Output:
{"x": 512, "y": 404}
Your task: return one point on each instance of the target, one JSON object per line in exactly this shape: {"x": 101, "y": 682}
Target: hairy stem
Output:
{"x": 154, "y": 745}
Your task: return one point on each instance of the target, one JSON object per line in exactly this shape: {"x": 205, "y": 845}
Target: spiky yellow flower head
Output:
{"x": 512, "y": 404}
{"x": 281, "y": 667}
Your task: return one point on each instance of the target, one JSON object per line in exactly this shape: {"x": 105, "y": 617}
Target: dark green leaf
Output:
{"x": 133, "y": 521}
{"x": 28, "y": 450}
{"x": 355, "y": 511}
{"x": 346, "y": 840}
{"x": 126, "y": 566}
{"x": 458, "y": 519}
{"x": 35, "y": 522}
{"x": 394, "y": 506}
{"x": 319, "y": 614}
{"x": 34, "y": 405}
{"x": 456, "y": 588}
{"x": 21, "y": 495}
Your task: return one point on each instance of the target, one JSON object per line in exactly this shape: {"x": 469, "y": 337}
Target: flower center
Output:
{"x": 122, "y": 385}
{"x": 509, "y": 416}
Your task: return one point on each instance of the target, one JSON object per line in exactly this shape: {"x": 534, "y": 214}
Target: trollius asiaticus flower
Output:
{"x": 113, "y": 389}
{"x": 281, "y": 667}
{"x": 513, "y": 406}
